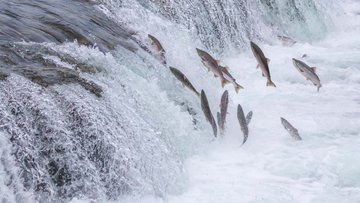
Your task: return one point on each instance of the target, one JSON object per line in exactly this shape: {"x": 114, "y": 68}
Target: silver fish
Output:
{"x": 248, "y": 117}
{"x": 308, "y": 72}
{"x": 207, "y": 112}
{"x": 291, "y": 129}
{"x": 230, "y": 78}
{"x": 159, "y": 50}
{"x": 212, "y": 65}
{"x": 183, "y": 79}
{"x": 262, "y": 63}
{"x": 243, "y": 124}
{"x": 286, "y": 41}
{"x": 223, "y": 110}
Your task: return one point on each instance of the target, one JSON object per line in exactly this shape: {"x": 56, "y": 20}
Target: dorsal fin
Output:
{"x": 313, "y": 69}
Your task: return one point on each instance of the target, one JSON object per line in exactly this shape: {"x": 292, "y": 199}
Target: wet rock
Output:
{"x": 3, "y": 76}
{"x": 91, "y": 86}
{"x": 39, "y": 80}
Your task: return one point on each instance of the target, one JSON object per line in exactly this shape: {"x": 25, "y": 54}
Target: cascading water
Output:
{"x": 86, "y": 113}
{"x": 74, "y": 141}
{"x": 227, "y": 24}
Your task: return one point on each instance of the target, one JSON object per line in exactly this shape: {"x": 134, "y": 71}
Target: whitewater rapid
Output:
{"x": 271, "y": 166}
{"x": 88, "y": 115}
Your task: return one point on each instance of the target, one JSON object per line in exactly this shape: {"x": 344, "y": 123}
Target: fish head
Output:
{"x": 253, "y": 47}
{"x": 298, "y": 65}
{"x": 259, "y": 55}
{"x": 202, "y": 96}
{"x": 225, "y": 94}
{"x": 174, "y": 70}
{"x": 154, "y": 41}
{"x": 239, "y": 110}
{"x": 295, "y": 62}
{"x": 201, "y": 53}
{"x": 284, "y": 122}
{"x": 252, "y": 44}
{"x": 224, "y": 101}
{"x": 203, "y": 100}
{"x": 151, "y": 37}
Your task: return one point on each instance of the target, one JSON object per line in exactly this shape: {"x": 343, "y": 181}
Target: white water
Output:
{"x": 152, "y": 147}
{"x": 271, "y": 166}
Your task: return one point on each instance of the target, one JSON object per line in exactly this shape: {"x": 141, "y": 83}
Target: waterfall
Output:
{"x": 86, "y": 112}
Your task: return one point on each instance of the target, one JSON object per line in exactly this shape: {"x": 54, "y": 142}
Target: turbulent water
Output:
{"x": 87, "y": 114}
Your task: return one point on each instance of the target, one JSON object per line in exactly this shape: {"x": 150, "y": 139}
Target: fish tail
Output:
{"x": 270, "y": 83}
{"x": 244, "y": 140}
{"x": 238, "y": 87}
{"x": 214, "y": 128}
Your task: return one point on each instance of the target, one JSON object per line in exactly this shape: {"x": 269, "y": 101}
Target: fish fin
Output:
{"x": 198, "y": 94}
{"x": 270, "y": 83}
{"x": 217, "y": 61}
{"x": 164, "y": 63}
{"x": 215, "y": 76}
{"x": 238, "y": 87}
{"x": 313, "y": 69}
{"x": 224, "y": 82}
{"x": 244, "y": 140}
{"x": 268, "y": 60}
{"x": 257, "y": 66}
{"x": 318, "y": 87}
{"x": 226, "y": 68}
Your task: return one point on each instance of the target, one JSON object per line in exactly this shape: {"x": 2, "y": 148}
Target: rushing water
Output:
{"x": 87, "y": 114}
